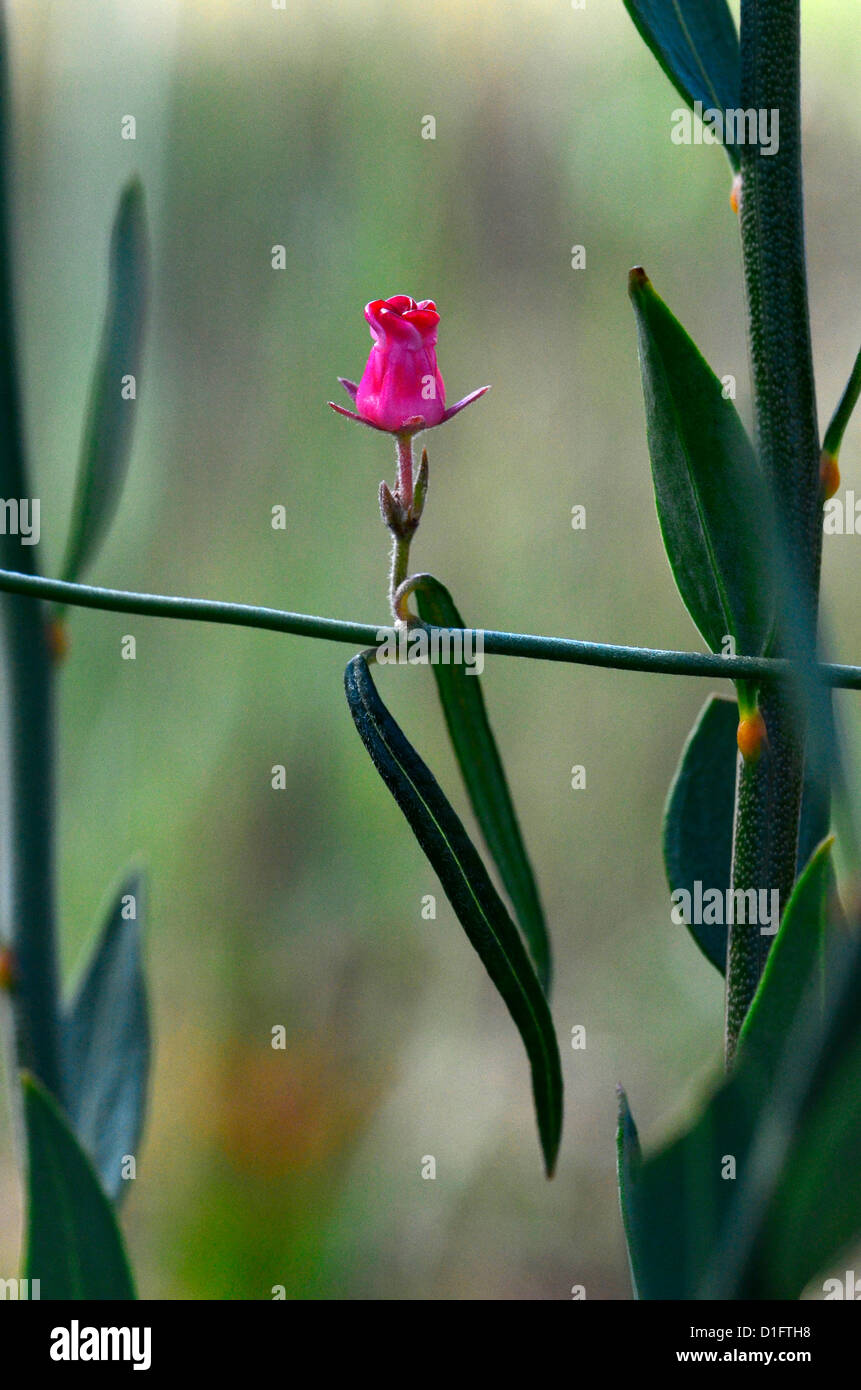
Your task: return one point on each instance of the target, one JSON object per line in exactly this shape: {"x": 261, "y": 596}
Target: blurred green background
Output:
{"x": 302, "y": 127}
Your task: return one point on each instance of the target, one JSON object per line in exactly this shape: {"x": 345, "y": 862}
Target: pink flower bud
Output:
{"x": 401, "y": 386}
{"x": 402, "y": 390}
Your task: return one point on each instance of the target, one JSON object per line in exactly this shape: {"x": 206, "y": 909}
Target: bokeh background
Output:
{"x": 302, "y": 127}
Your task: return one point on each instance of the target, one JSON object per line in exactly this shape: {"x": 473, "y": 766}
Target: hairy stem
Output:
{"x": 768, "y": 797}
{"x": 399, "y": 570}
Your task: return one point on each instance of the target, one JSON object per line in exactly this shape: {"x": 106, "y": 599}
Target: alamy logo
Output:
{"x": 21, "y": 517}
{"x": 76, "y": 1343}
{"x": 713, "y": 907}
{"x": 846, "y": 1288}
{"x": 438, "y": 646}
{"x": 20, "y": 1289}
{"x": 730, "y": 127}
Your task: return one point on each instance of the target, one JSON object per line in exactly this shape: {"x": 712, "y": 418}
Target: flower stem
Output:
{"x": 768, "y": 796}
{"x": 404, "y": 528}
{"x": 405, "y": 470}
{"x": 400, "y": 569}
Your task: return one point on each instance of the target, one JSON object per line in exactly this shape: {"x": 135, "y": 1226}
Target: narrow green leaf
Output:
{"x": 699, "y": 815}
{"x": 761, "y": 1191}
{"x": 795, "y": 960}
{"x": 73, "y": 1246}
{"x": 696, "y": 44}
{"x": 816, "y": 1210}
{"x": 698, "y": 820}
{"x": 628, "y": 1160}
{"x": 711, "y": 500}
{"x": 806, "y": 1207}
{"x": 842, "y": 415}
{"x": 484, "y": 776}
{"x": 677, "y": 1201}
{"x": 477, "y": 904}
{"x": 109, "y": 424}
{"x": 105, "y": 1043}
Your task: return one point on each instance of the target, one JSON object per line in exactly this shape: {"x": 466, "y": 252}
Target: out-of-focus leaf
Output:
{"x": 628, "y": 1160}
{"x": 105, "y": 1043}
{"x": 816, "y": 1210}
{"x": 677, "y": 1202}
{"x": 761, "y": 1192}
{"x": 477, "y": 904}
{"x": 843, "y": 413}
{"x": 484, "y": 776}
{"x": 696, "y": 44}
{"x": 74, "y": 1246}
{"x": 796, "y": 959}
{"x": 699, "y": 817}
{"x": 712, "y": 502}
{"x": 109, "y": 423}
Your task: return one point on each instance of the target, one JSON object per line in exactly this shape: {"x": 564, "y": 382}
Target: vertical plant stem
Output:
{"x": 30, "y": 1004}
{"x": 401, "y": 540}
{"x": 768, "y": 798}
{"x": 405, "y": 471}
{"x": 400, "y": 569}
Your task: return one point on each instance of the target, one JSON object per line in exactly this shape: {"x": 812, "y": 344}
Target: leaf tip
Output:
{"x": 637, "y": 280}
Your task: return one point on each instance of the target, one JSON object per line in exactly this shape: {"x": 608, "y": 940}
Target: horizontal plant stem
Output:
{"x": 646, "y": 659}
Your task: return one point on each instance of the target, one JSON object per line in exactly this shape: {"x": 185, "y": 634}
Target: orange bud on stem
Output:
{"x": 829, "y": 473}
{"x": 57, "y": 637}
{"x": 752, "y": 736}
{"x": 8, "y": 971}
{"x": 735, "y": 194}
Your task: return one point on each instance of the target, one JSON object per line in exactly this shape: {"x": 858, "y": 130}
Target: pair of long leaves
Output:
{"x": 698, "y": 821}
{"x": 484, "y": 776}
{"x": 696, "y": 44}
{"x": 761, "y": 1192}
{"x": 477, "y": 904}
{"x": 76, "y": 1155}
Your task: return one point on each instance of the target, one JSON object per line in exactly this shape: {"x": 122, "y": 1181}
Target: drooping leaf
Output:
{"x": 484, "y": 776}
{"x": 696, "y": 44}
{"x": 712, "y": 502}
{"x": 109, "y": 423}
{"x": 105, "y": 1043}
{"x": 698, "y": 821}
{"x": 73, "y": 1244}
{"x": 796, "y": 959}
{"x": 476, "y": 903}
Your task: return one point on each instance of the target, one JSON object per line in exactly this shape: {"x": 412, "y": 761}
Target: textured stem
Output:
{"x": 654, "y": 661}
{"x": 28, "y": 926}
{"x": 772, "y": 231}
